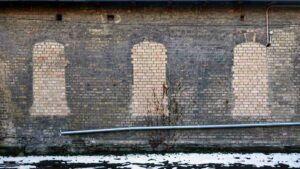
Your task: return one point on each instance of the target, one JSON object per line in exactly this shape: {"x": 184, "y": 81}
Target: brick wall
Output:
{"x": 7, "y": 129}
{"x": 284, "y": 52}
{"x": 91, "y": 70}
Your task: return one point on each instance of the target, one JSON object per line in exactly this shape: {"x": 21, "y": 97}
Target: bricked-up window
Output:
{"x": 250, "y": 80}
{"x": 49, "y": 91}
{"x": 149, "y": 79}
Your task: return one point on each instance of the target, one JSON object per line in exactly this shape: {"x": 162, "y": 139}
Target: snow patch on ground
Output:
{"x": 256, "y": 159}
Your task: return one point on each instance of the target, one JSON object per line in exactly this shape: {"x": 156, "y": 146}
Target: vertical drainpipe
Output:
{"x": 267, "y": 18}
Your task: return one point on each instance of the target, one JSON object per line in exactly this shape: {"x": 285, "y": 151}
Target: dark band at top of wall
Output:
{"x": 240, "y": 1}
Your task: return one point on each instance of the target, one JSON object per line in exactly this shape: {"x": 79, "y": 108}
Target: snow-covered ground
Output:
{"x": 291, "y": 160}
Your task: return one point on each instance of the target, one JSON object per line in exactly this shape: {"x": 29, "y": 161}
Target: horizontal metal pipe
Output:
{"x": 219, "y": 126}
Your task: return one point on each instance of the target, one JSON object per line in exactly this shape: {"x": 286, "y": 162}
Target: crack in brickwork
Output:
{"x": 149, "y": 78}
{"x": 49, "y": 91}
{"x": 250, "y": 80}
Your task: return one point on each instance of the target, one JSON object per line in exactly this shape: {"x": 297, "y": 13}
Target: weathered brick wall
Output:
{"x": 283, "y": 56}
{"x": 207, "y": 65}
{"x": 7, "y": 129}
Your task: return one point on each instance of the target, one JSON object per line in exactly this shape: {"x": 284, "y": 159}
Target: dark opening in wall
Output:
{"x": 242, "y": 17}
{"x": 88, "y": 87}
{"x": 58, "y": 17}
{"x": 110, "y": 18}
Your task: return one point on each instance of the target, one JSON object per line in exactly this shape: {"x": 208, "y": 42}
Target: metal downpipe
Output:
{"x": 267, "y": 18}
{"x": 220, "y": 126}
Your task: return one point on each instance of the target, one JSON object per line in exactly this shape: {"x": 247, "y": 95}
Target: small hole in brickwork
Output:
{"x": 242, "y": 17}
{"x": 226, "y": 102}
{"x": 58, "y": 17}
{"x": 88, "y": 87}
{"x": 268, "y": 45}
{"x": 110, "y": 18}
